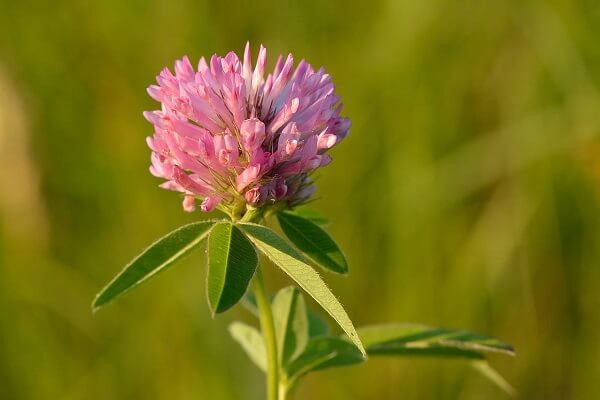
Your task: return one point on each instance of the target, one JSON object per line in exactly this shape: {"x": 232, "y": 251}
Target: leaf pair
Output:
{"x": 232, "y": 261}
{"x": 157, "y": 257}
{"x": 302, "y": 352}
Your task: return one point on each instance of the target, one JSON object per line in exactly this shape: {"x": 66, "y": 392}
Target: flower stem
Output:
{"x": 268, "y": 330}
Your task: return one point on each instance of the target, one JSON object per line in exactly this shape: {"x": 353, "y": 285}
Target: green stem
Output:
{"x": 268, "y": 330}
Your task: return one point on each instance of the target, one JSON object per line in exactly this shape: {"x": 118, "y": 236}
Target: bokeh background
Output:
{"x": 467, "y": 195}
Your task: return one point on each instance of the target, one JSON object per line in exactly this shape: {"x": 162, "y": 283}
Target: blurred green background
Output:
{"x": 467, "y": 195}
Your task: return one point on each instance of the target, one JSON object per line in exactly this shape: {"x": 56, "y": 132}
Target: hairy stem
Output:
{"x": 268, "y": 330}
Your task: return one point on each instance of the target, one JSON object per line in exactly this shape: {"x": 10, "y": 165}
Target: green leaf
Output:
{"x": 291, "y": 262}
{"x": 420, "y": 340}
{"x": 232, "y": 261}
{"x": 156, "y": 258}
{"x": 322, "y": 353}
{"x": 251, "y": 341}
{"x": 312, "y": 240}
{"x": 401, "y": 339}
{"x": 310, "y": 214}
{"x": 291, "y": 324}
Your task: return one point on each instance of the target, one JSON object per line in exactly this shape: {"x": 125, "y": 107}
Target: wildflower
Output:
{"x": 230, "y": 137}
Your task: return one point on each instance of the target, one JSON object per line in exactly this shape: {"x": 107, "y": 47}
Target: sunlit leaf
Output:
{"x": 232, "y": 261}
{"x": 156, "y": 258}
{"x": 291, "y": 262}
{"x": 291, "y": 324}
{"x": 313, "y": 241}
{"x": 251, "y": 341}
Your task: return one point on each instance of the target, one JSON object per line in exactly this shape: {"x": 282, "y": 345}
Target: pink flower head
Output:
{"x": 228, "y": 135}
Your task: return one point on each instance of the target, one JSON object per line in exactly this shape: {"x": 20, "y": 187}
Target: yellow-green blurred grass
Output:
{"x": 466, "y": 195}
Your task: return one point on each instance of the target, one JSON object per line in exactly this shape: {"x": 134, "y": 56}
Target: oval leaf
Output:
{"x": 232, "y": 261}
{"x": 414, "y": 339}
{"x": 157, "y": 257}
{"x": 251, "y": 341}
{"x": 313, "y": 241}
{"x": 291, "y": 262}
{"x": 291, "y": 324}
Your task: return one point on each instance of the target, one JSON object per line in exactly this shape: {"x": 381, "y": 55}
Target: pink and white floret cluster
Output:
{"x": 229, "y": 137}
